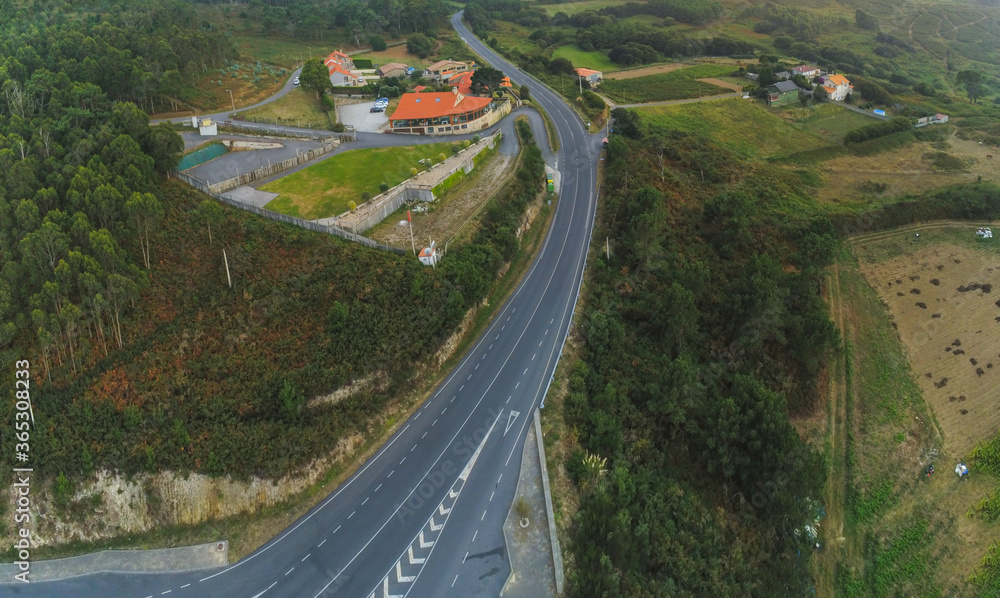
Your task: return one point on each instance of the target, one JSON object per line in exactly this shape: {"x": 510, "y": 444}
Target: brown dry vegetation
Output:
{"x": 951, "y": 331}
{"x": 904, "y": 170}
{"x": 449, "y": 213}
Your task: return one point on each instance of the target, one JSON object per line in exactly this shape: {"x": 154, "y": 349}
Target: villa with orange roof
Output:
{"x": 462, "y": 82}
{"x": 445, "y": 113}
{"x": 837, "y": 87}
{"x": 339, "y": 58}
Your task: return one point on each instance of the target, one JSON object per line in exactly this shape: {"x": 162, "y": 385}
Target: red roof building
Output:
{"x": 462, "y": 82}
{"x": 437, "y": 112}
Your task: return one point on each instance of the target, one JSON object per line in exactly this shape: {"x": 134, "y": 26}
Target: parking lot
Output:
{"x": 361, "y": 117}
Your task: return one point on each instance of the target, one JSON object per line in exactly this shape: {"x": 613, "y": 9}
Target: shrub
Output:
{"x": 338, "y": 127}
{"x": 377, "y": 42}
{"x": 413, "y": 171}
{"x": 441, "y": 156}
{"x": 383, "y": 186}
{"x": 876, "y": 130}
{"x": 353, "y": 205}
{"x": 476, "y": 138}
{"x": 418, "y": 44}
{"x": 455, "y": 149}
{"x": 365, "y": 196}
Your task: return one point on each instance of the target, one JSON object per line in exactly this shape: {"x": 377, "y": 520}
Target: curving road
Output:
{"x": 423, "y": 517}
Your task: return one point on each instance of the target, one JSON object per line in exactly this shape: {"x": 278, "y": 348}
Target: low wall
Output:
{"x": 306, "y": 224}
{"x": 271, "y": 169}
{"x": 379, "y": 207}
{"x": 242, "y": 146}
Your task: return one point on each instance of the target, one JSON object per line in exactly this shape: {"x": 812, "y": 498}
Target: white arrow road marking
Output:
{"x": 414, "y": 560}
{"x": 403, "y": 578}
{"x": 510, "y": 420}
{"x": 424, "y": 544}
{"x": 453, "y": 494}
{"x": 385, "y": 589}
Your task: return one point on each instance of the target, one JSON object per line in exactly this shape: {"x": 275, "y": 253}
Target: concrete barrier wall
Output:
{"x": 271, "y": 169}
{"x": 379, "y": 207}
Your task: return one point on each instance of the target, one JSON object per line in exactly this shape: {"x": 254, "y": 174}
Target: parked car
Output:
{"x": 296, "y": 81}
{"x": 377, "y": 108}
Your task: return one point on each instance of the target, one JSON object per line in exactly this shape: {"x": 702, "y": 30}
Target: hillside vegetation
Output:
{"x": 116, "y": 288}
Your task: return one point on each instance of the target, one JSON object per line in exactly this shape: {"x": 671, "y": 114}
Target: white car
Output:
{"x": 296, "y": 81}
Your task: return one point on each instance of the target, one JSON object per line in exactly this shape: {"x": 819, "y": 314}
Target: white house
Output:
{"x": 590, "y": 76}
{"x": 806, "y": 71}
{"x": 837, "y": 87}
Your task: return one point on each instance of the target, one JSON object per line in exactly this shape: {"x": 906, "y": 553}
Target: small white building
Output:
{"x": 207, "y": 128}
{"x": 806, "y": 71}
{"x": 429, "y": 256}
{"x": 590, "y": 75}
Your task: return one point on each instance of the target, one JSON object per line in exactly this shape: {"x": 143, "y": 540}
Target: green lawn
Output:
{"x": 745, "y": 126}
{"x": 675, "y": 85}
{"x": 325, "y": 189}
{"x": 282, "y": 51}
{"x": 572, "y": 8}
{"x": 828, "y": 121}
{"x": 598, "y": 61}
{"x": 298, "y": 108}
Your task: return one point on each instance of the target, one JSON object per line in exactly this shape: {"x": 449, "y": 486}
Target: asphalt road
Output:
{"x": 423, "y": 517}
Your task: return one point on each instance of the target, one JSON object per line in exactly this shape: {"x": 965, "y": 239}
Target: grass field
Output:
{"x": 904, "y": 534}
{"x": 281, "y": 51}
{"x": 676, "y": 85}
{"x": 297, "y": 108}
{"x": 746, "y": 127}
{"x": 572, "y": 8}
{"x": 598, "y": 61}
{"x": 325, "y": 189}
{"x": 827, "y": 121}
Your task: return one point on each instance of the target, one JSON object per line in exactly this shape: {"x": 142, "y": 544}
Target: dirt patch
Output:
{"x": 964, "y": 315}
{"x": 721, "y": 83}
{"x": 445, "y": 217}
{"x": 649, "y": 70}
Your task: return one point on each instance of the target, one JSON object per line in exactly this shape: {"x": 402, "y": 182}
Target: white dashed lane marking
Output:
{"x": 377, "y": 488}
{"x": 365, "y": 500}
{"x": 185, "y": 585}
{"x": 475, "y": 535}
{"x": 435, "y": 421}
{"x": 484, "y": 516}
{"x": 310, "y": 554}
{"x": 424, "y": 436}
{"x": 525, "y": 371}
{"x": 390, "y": 474}
{"x": 322, "y": 543}
{"x": 352, "y": 514}
{"x": 336, "y": 530}
{"x": 289, "y": 571}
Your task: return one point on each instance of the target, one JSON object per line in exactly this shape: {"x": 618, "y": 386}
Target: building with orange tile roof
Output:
{"x": 837, "y": 87}
{"x": 443, "y": 113}
{"x": 590, "y": 76}
{"x": 442, "y": 67}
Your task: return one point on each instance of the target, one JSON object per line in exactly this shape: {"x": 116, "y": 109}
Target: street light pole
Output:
{"x": 231, "y": 99}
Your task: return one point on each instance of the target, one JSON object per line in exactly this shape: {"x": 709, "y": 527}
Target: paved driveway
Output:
{"x": 359, "y": 116}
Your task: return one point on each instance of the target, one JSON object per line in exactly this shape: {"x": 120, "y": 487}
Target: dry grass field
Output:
{"x": 940, "y": 292}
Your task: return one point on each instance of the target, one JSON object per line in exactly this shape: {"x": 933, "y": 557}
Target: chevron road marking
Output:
{"x": 431, "y": 528}
{"x": 435, "y": 527}
{"x": 403, "y": 578}
{"x": 414, "y": 560}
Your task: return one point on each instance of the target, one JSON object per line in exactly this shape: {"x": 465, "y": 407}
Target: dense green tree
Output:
{"x": 486, "y": 80}
{"x": 315, "y": 77}
{"x": 419, "y": 45}
{"x": 164, "y": 146}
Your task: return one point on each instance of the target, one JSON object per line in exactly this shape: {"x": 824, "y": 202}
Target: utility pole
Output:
{"x": 231, "y": 99}
{"x": 227, "y": 268}
{"x": 607, "y": 248}
{"x": 413, "y": 244}
{"x": 580, "y": 80}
